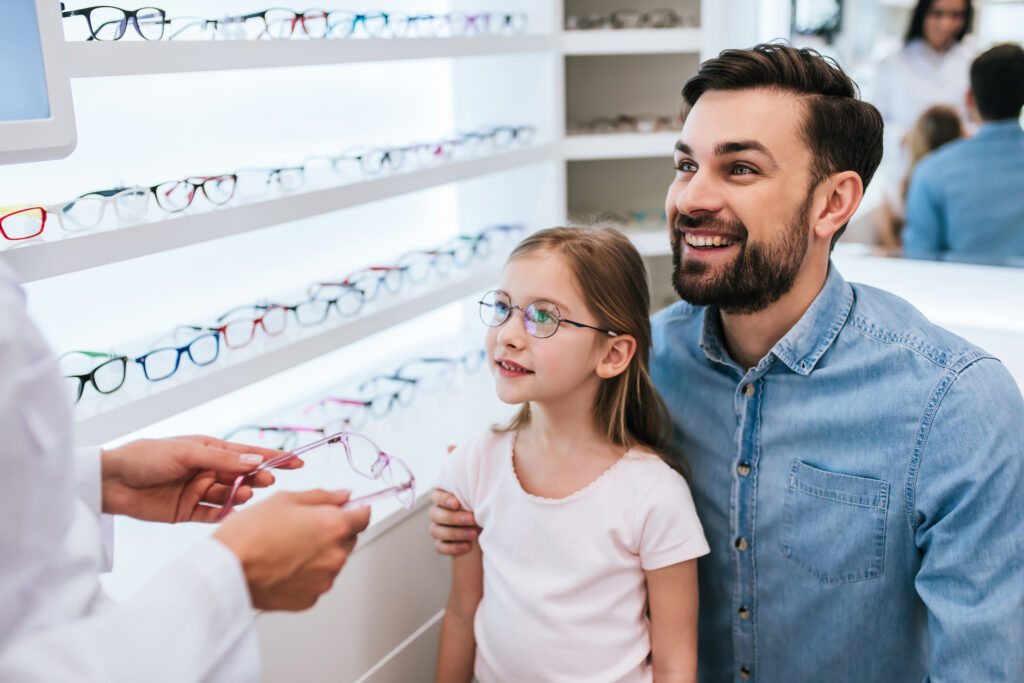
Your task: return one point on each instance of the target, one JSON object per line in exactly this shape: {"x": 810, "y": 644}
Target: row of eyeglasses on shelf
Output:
{"x": 131, "y": 204}
{"x": 329, "y": 440}
{"x": 372, "y": 399}
{"x": 630, "y": 18}
{"x": 105, "y": 22}
{"x": 237, "y": 328}
{"x": 625, "y": 123}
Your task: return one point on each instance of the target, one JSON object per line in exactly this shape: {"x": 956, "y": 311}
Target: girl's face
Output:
{"x": 556, "y": 370}
{"x": 943, "y": 22}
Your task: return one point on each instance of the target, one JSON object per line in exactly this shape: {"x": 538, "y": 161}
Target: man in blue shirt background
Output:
{"x": 966, "y": 199}
{"x": 857, "y": 469}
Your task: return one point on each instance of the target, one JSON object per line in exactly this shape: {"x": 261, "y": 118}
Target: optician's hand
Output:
{"x": 165, "y": 480}
{"x": 292, "y": 545}
{"x": 451, "y": 526}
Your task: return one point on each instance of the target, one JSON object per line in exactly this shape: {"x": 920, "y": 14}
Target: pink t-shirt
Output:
{"x": 564, "y": 592}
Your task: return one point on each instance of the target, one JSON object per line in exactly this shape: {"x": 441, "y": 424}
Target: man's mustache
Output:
{"x": 733, "y": 229}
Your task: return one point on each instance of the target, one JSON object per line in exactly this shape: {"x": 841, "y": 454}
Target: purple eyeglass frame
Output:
{"x": 383, "y": 464}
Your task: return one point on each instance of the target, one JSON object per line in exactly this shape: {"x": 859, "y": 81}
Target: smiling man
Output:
{"x": 858, "y": 470}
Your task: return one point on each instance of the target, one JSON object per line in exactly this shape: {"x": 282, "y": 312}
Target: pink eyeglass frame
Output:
{"x": 340, "y": 437}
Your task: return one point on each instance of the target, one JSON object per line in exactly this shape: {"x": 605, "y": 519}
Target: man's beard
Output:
{"x": 756, "y": 278}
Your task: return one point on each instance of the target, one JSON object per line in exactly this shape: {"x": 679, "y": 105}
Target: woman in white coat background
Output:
{"x": 931, "y": 68}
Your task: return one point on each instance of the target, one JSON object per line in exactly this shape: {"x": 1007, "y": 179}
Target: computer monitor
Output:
{"x": 37, "y": 118}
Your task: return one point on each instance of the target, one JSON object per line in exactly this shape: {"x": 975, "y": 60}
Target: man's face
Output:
{"x": 738, "y": 206}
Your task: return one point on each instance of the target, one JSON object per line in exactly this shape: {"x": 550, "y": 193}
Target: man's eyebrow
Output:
{"x": 723, "y": 148}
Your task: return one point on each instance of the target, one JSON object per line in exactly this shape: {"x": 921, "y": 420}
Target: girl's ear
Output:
{"x": 617, "y": 356}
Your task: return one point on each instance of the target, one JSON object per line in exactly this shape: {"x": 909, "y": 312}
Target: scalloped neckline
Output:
{"x": 565, "y": 499}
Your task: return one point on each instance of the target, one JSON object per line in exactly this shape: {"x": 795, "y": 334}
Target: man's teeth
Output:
{"x": 701, "y": 241}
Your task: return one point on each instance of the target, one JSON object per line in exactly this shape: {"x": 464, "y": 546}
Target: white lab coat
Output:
{"x": 906, "y": 83}
{"x": 193, "y": 622}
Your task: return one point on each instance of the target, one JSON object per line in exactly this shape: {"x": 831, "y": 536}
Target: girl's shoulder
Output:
{"x": 648, "y": 474}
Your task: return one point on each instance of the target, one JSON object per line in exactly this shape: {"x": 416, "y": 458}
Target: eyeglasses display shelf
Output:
{"x": 631, "y": 41}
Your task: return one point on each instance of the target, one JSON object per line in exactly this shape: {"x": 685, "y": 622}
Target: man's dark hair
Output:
{"x": 843, "y": 133}
{"x": 916, "y": 27}
{"x": 997, "y": 81}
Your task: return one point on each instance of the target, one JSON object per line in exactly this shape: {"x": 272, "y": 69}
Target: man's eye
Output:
{"x": 686, "y": 167}
{"x": 743, "y": 170}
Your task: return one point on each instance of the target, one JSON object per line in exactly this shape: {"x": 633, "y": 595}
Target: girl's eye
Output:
{"x": 543, "y": 317}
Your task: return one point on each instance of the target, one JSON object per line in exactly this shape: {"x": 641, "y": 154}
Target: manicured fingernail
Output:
{"x": 250, "y": 458}
{"x": 451, "y": 502}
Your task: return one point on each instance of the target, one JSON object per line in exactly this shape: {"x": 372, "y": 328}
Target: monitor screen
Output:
{"x": 22, "y": 78}
{"x": 36, "y": 112}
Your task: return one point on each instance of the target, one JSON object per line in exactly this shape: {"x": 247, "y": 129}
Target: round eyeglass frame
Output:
{"x": 529, "y": 315}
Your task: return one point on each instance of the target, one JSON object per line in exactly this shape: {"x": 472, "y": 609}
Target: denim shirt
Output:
{"x": 966, "y": 197}
{"x": 862, "y": 490}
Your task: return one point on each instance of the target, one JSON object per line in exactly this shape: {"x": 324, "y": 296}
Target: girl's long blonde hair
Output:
{"x": 612, "y": 278}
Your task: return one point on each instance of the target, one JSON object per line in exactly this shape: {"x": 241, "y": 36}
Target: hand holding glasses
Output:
{"x": 363, "y": 457}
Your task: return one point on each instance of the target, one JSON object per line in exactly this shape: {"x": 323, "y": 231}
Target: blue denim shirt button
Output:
{"x": 741, "y": 544}
{"x": 748, "y": 390}
{"x": 744, "y": 613}
{"x": 744, "y": 673}
{"x": 743, "y": 469}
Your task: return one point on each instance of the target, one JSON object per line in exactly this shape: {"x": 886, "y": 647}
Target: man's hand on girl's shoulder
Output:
{"x": 451, "y": 527}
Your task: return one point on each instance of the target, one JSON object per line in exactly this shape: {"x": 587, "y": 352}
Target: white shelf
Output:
{"x": 620, "y": 146}
{"x": 129, "y": 58}
{"x": 631, "y": 41}
{"x": 50, "y": 259}
{"x": 136, "y": 413}
{"x": 650, "y": 242}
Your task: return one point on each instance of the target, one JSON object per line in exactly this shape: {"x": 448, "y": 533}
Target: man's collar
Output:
{"x": 998, "y": 128}
{"x": 806, "y": 341}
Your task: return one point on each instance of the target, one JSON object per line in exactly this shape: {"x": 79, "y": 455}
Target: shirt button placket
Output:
{"x": 744, "y": 482}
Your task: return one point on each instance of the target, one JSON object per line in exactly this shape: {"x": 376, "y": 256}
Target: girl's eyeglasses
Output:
{"x": 541, "y": 318}
{"x": 363, "y": 456}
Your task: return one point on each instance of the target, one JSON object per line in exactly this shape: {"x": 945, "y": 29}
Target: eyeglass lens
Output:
{"x": 540, "y": 318}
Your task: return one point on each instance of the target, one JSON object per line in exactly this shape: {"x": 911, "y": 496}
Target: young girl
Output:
{"x": 585, "y": 569}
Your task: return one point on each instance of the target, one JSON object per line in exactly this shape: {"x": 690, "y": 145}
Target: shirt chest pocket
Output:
{"x": 835, "y": 524}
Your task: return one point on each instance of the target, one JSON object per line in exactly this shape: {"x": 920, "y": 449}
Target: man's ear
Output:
{"x": 971, "y": 102}
{"x": 618, "y": 353}
{"x": 842, "y": 193}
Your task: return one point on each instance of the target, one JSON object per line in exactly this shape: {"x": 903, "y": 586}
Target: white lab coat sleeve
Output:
{"x": 179, "y": 627}
{"x": 55, "y": 622}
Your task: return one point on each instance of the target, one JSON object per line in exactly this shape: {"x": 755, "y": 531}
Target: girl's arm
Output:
{"x": 458, "y": 645}
{"x": 672, "y": 595}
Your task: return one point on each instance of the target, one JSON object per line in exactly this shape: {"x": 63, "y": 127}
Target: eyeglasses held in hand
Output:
{"x": 161, "y": 363}
{"x": 106, "y": 378}
{"x": 22, "y": 222}
{"x": 277, "y": 437}
{"x": 363, "y": 456}
{"x": 541, "y": 318}
{"x": 110, "y": 23}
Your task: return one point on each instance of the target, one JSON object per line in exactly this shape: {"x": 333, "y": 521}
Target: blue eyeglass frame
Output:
{"x": 187, "y": 348}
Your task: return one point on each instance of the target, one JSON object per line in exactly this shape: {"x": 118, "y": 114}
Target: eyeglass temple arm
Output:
{"x": 590, "y": 327}
{"x": 363, "y": 501}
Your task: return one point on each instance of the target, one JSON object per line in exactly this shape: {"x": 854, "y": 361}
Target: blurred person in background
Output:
{"x": 931, "y": 68}
{"x": 938, "y": 125}
{"x": 966, "y": 199}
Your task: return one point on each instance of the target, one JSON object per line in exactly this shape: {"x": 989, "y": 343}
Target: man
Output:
{"x": 194, "y": 620}
{"x": 858, "y": 470}
{"x": 965, "y": 198}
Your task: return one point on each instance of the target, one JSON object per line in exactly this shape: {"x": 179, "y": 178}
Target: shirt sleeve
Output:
{"x": 968, "y": 513}
{"x": 667, "y": 523}
{"x": 460, "y": 473}
{"x": 925, "y": 231}
{"x": 177, "y": 628}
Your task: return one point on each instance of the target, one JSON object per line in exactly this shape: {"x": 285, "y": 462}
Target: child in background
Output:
{"x": 586, "y": 566}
